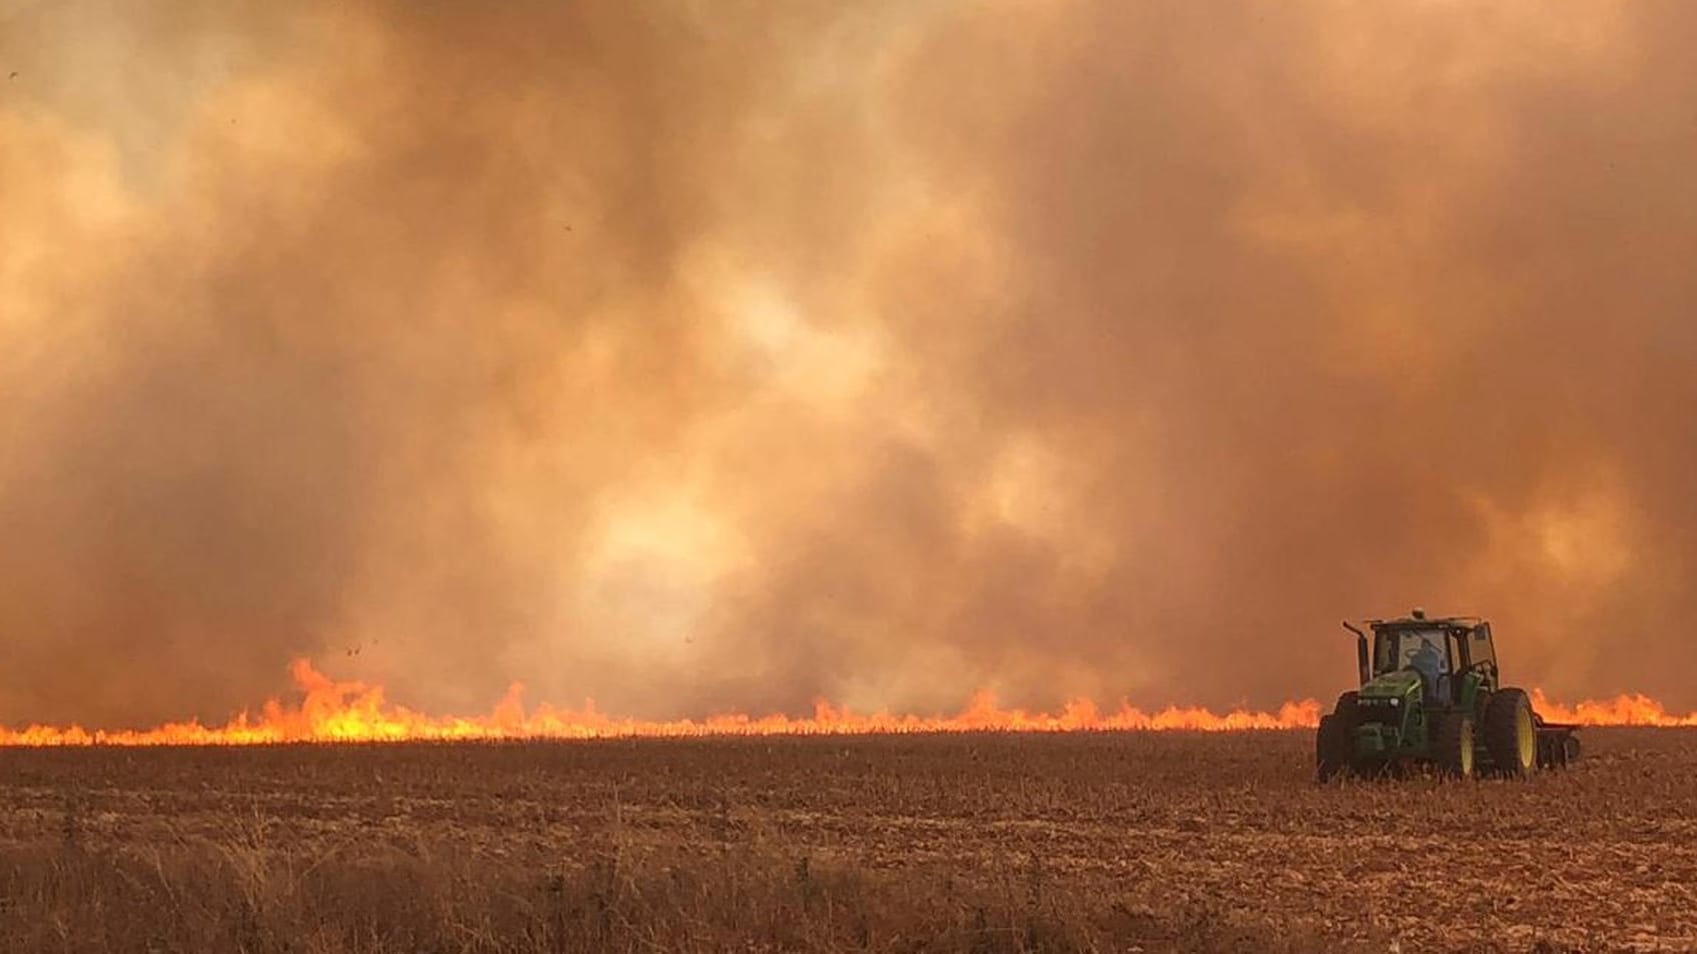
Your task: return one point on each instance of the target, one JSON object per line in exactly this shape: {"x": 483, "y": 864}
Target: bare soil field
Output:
{"x": 1114, "y": 841}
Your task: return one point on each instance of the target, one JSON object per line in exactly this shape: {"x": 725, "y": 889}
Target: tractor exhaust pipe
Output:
{"x": 1360, "y": 651}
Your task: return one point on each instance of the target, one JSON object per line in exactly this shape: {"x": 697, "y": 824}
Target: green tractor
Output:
{"x": 1430, "y": 695}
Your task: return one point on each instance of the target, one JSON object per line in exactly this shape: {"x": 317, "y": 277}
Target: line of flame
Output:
{"x": 1628, "y": 709}
{"x": 332, "y": 711}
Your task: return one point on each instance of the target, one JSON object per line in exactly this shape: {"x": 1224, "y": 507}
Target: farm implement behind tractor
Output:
{"x": 1430, "y": 695}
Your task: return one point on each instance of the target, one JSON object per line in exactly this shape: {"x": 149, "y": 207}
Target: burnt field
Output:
{"x": 1151, "y": 841}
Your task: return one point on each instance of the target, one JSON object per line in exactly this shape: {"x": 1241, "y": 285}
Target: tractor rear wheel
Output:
{"x": 1333, "y": 746}
{"x": 1453, "y": 744}
{"x": 1510, "y": 737}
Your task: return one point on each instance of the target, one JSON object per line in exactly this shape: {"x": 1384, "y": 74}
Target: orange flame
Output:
{"x": 331, "y": 711}
{"x": 1630, "y": 709}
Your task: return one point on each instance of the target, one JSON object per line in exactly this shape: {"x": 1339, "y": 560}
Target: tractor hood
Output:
{"x": 1396, "y": 685}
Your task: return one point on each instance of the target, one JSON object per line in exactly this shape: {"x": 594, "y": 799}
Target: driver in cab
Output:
{"x": 1429, "y": 661}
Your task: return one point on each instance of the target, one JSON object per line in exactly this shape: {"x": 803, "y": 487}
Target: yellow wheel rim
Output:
{"x": 1466, "y": 749}
{"x": 1526, "y": 740}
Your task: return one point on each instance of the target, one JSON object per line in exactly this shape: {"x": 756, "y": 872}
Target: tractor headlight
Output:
{"x": 1396, "y": 702}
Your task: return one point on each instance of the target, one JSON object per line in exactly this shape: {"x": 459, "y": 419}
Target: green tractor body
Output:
{"x": 1430, "y": 695}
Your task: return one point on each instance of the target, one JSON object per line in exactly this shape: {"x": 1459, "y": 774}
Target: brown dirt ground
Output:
{"x": 1158, "y": 826}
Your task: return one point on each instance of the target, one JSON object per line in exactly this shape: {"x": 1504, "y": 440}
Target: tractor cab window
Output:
{"x": 1423, "y": 650}
{"x": 1481, "y": 650}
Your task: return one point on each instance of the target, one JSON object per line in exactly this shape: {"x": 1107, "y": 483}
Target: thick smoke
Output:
{"x": 718, "y": 356}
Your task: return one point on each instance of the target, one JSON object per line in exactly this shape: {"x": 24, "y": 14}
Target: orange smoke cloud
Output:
{"x": 351, "y": 711}
{"x": 724, "y": 357}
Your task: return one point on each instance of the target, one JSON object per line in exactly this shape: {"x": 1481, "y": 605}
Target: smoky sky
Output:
{"x": 694, "y": 357}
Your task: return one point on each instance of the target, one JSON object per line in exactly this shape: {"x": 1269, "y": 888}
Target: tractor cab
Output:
{"x": 1442, "y": 652}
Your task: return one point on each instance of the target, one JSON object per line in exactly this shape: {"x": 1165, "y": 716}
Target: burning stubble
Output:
{"x": 723, "y": 357}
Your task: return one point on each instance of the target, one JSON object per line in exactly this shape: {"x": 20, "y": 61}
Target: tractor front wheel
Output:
{"x": 1510, "y": 736}
{"x": 1348, "y": 709}
{"x": 1333, "y": 747}
{"x": 1453, "y": 744}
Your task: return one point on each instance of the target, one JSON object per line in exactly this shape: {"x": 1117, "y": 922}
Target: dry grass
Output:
{"x": 1111, "y": 842}
{"x": 239, "y": 898}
